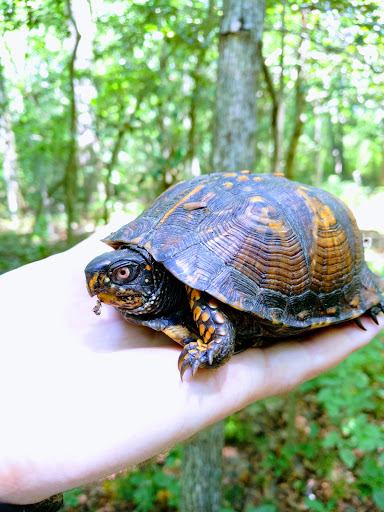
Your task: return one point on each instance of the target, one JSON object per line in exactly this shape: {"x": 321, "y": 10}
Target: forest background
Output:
{"x": 103, "y": 105}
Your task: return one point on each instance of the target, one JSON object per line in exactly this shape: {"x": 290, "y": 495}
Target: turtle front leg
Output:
{"x": 217, "y": 335}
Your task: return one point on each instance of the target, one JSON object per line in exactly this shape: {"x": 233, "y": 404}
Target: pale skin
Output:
{"x": 85, "y": 396}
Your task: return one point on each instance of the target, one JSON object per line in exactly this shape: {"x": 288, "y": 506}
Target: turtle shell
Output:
{"x": 289, "y": 253}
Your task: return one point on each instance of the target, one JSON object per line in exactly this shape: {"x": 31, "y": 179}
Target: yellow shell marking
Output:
{"x": 331, "y": 255}
{"x": 194, "y": 206}
{"x": 256, "y": 199}
{"x": 182, "y": 200}
{"x": 303, "y": 315}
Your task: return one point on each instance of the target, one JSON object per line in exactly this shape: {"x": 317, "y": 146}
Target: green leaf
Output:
{"x": 378, "y": 497}
{"x": 331, "y": 440}
{"x": 347, "y": 456}
{"x": 265, "y": 508}
{"x": 70, "y": 497}
{"x": 316, "y": 505}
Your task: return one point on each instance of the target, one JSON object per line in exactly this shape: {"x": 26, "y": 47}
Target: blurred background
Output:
{"x": 104, "y": 104}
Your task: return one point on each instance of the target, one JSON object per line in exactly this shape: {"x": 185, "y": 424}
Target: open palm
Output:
{"x": 85, "y": 396}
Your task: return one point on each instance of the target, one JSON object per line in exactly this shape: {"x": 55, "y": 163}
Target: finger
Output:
{"x": 259, "y": 373}
{"x": 279, "y": 368}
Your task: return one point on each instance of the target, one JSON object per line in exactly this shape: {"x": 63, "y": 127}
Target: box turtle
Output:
{"x": 226, "y": 261}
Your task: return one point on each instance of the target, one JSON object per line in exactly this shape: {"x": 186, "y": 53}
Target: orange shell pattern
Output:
{"x": 289, "y": 253}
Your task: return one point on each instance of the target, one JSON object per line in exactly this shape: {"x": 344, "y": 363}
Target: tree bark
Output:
{"x": 202, "y": 471}
{"x": 234, "y": 144}
{"x": 234, "y": 149}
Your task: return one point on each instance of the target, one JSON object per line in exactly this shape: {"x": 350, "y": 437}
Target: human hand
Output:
{"x": 84, "y": 396}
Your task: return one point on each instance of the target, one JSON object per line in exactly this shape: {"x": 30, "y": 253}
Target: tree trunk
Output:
{"x": 234, "y": 149}
{"x": 202, "y": 471}
{"x": 234, "y": 144}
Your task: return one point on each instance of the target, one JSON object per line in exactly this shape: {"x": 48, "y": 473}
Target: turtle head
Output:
{"x": 124, "y": 278}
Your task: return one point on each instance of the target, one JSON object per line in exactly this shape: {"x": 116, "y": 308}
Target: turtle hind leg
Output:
{"x": 375, "y": 310}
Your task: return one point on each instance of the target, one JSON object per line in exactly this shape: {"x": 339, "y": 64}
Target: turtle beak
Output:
{"x": 95, "y": 274}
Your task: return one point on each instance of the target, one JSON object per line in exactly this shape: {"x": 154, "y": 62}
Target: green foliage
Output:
{"x": 146, "y": 487}
{"x": 352, "y": 395}
{"x": 371, "y": 478}
{"x": 70, "y": 498}
{"x": 342, "y": 445}
{"x": 18, "y": 249}
{"x": 145, "y": 96}
{"x": 319, "y": 506}
{"x": 262, "y": 508}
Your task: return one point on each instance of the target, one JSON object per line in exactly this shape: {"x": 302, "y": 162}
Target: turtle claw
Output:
{"x": 195, "y": 355}
{"x": 359, "y": 323}
{"x": 183, "y": 368}
{"x": 372, "y": 314}
{"x": 195, "y": 366}
{"x": 375, "y": 310}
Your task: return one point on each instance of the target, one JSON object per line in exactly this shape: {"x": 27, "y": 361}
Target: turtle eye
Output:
{"x": 122, "y": 275}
